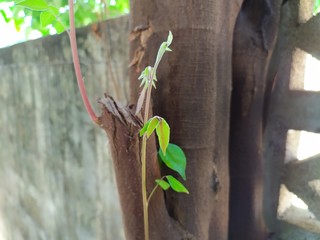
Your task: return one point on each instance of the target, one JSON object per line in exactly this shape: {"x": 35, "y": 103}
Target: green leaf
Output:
{"x": 176, "y": 185}
{"x": 58, "y": 26}
{"x": 49, "y": 16}
{"x": 152, "y": 125}
{"x": 4, "y": 15}
{"x": 163, "y": 184}
{"x": 145, "y": 127}
{"x": 163, "y": 132}
{"x": 46, "y": 18}
{"x": 37, "y": 5}
{"x": 175, "y": 159}
{"x": 169, "y": 40}
{"x": 161, "y": 51}
{"x": 54, "y": 11}
{"x": 163, "y": 48}
{"x": 17, "y": 23}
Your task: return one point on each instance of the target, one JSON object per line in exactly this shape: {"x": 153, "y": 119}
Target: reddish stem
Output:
{"x": 76, "y": 63}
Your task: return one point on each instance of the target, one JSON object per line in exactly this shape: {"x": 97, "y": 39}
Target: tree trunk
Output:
{"x": 193, "y": 95}
{"x": 218, "y": 45}
{"x": 253, "y": 43}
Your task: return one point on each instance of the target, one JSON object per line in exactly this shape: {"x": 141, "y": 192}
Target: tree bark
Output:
{"x": 193, "y": 95}
{"x": 254, "y": 37}
{"x": 122, "y": 128}
{"x": 216, "y": 44}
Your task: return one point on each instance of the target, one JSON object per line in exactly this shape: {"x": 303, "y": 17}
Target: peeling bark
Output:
{"x": 122, "y": 128}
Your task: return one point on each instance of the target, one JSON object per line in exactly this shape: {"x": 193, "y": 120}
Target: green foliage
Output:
{"x": 145, "y": 75}
{"x": 164, "y": 47}
{"x": 175, "y": 159}
{"x": 163, "y": 184}
{"x": 316, "y": 6}
{"x": 52, "y": 15}
{"x": 170, "y": 154}
{"x": 153, "y": 125}
{"x": 37, "y": 5}
{"x": 162, "y": 129}
{"x": 163, "y": 133}
{"x": 48, "y": 16}
{"x": 176, "y": 185}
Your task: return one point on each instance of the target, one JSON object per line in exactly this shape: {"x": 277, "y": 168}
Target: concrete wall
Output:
{"x": 56, "y": 175}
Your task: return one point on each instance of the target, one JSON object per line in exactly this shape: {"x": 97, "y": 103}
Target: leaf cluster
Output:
{"x": 170, "y": 154}
{"x": 49, "y": 16}
{"x": 316, "y": 8}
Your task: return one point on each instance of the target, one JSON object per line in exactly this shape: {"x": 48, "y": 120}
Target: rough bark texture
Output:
{"x": 122, "y": 128}
{"x": 193, "y": 95}
{"x": 253, "y": 43}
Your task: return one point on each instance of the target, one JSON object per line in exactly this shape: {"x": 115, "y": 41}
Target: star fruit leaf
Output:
{"x": 163, "y": 133}
{"x": 144, "y": 128}
{"x": 176, "y": 185}
{"x": 152, "y": 126}
{"x": 175, "y": 159}
{"x": 37, "y": 5}
{"x": 163, "y": 184}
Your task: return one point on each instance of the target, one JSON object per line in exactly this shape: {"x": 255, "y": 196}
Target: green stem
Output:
{"x": 153, "y": 190}
{"x": 144, "y": 187}
{"x": 144, "y": 163}
{"x": 145, "y": 200}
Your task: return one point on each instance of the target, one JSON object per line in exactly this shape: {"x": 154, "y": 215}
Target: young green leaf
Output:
{"x": 144, "y": 128}
{"x": 53, "y": 10}
{"x": 4, "y": 15}
{"x": 176, "y": 185}
{"x": 46, "y": 18}
{"x": 170, "y": 38}
{"x": 163, "y": 48}
{"x": 163, "y": 132}
{"x": 58, "y": 26}
{"x": 37, "y": 5}
{"x": 145, "y": 75}
{"x": 163, "y": 184}
{"x": 152, "y": 125}
{"x": 175, "y": 159}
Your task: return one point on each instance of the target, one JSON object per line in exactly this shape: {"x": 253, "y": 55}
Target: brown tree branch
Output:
{"x": 76, "y": 63}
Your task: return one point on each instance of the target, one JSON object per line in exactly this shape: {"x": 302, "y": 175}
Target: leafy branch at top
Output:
{"x": 86, "y": 12}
